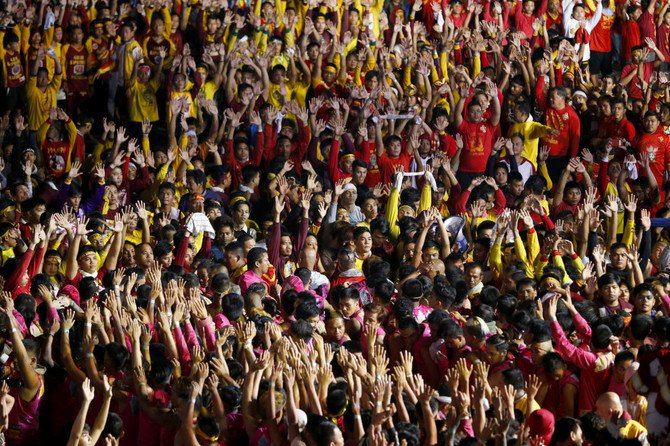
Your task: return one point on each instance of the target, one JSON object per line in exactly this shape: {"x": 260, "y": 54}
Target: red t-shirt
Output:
{"x": 387, "y": 164}
{"x": 623, "y": 129}
{"x": 477, "y": 145}
{"x": 634, "y": 90}
{"x": 567, "y": 122}
{"x": 664, "y": 40}
{"x": 657, "y": 147}
{"x": 647, "y": 26}
{"x": 601, "y": 36}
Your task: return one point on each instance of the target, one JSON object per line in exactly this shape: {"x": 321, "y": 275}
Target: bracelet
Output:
{"x": 89, "y": 355}
{"x": 193, "y": 401}
{"x": 88, "y": 325}
{"x": 66, "y": 331}
{"x": 13, "y": 330}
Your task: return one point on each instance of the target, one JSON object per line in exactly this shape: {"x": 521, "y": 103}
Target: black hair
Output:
{"x": 601, "y": 336}
{"x": 553, "y": 361}
{"x": 232, "y": 306}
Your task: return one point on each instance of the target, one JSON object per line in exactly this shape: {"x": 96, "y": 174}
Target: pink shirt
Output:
{"x": 24, "y": 418}
{"x": 247, "y": 279}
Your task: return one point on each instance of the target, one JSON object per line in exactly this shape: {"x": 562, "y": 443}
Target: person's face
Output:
{"x": 516, "y": 187}
{"x": 346, "y": 164}
{"x": 112, "y": 194}
{"x": 619, "y": 111}
{"x": 493, "y": 356}
{"x": 51, "y": 265}
{"x": 526, "y": 292}
{"x": 578, "y": 13}
{"x": 605, "y": 108}
{"x": 74, "y": 201}
{"x": 144, "y": 74}
{"x": 454, "y": 343}
{"x": 520, "y": 116}
{"x": 358, "y": 175}
{"x": 651, "y": 124}
{"x": 573, "y": 196}
{"x": 335, "y": 329}
{"x": 619, "y": 259}
{"x": 338, "y": 439}
{"x": 369, "y": 209}
{"x": 342, "y": 215}
{"x": 158, "y": 27}
{"x": 286, "y": 246}
{"x": 116, "y": 176}
{"x": 349, "y": 196}
{"x": 479, "y": 254}
{"x": 328, "y": 76}
{"x": 77, "y": 36}
{"x": 242, "y": 152}
{"x": 166, "y": 196}
{"x": 179, "y": 82}
{"x": 610, "y": 293}
{"x": 160, "y": 157}
{"x": 241, "y": 214}
{"x": 36, "y": 213}
{"x": 394, "y": 149}
{"x": 144, "y": 256}
{"x": 557, "y": 374}
{"x": 348, "y": 307}
{"x": 233, "y": 261}
{"x": 227, "y": 235}
{"x": 132, "y": 221}
{"x": 166, "y": 260}
{"x": 320, "y": 25}
{"x": 475, "y": 113}
{"x": 264, "y": 264}
{"x": 501, "y": 176}
{"x": 556, "y": 100}
{"x": 364, "y": 242}
{"x": 528, "y": 7}
{"x": 278, "y": 75}
{"x": 636, "y": 56}
{"x": 42, "y": 79}
{"x": 127, "y": 33}
{"x": 473, "y": 277}
{"x": 372, "y": 83}
{"x": 644, "y": 302}
{"x": 89, "y": 262}
{"x": 128, "y": 255}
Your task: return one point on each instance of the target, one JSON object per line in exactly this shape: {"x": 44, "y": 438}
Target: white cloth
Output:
{"x": 197, "y": 223}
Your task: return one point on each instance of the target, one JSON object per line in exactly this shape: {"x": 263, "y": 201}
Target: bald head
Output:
{"x": 308, "y": 258}
{"x": 607, "y": 404}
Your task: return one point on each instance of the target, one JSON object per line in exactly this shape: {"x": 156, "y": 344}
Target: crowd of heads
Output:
{"x": 329, "y": 222}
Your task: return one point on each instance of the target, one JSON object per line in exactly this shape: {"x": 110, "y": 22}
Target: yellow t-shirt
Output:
{"x": 143, "y": 101}
{"x": 41, "y": 102}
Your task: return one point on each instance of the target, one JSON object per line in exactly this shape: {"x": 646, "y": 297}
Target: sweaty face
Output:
{"x": 359, "y": 175}
{"x": 651, "y": 124}
{"x": 610, "y": 293}
{"x": 335, "y": 329}
{"x": 475, "y": 113}
{"x": 644, "y": 302}
{"x": 473, "y": 277}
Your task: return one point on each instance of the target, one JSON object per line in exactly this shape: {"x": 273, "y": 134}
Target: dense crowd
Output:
{"x": 329, "y": 222}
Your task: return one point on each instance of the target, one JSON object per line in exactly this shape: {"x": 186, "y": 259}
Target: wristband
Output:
{"x": 67, "y": 331}
{"x": 89, "y": 355}
{"x": 88, "y": 325}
